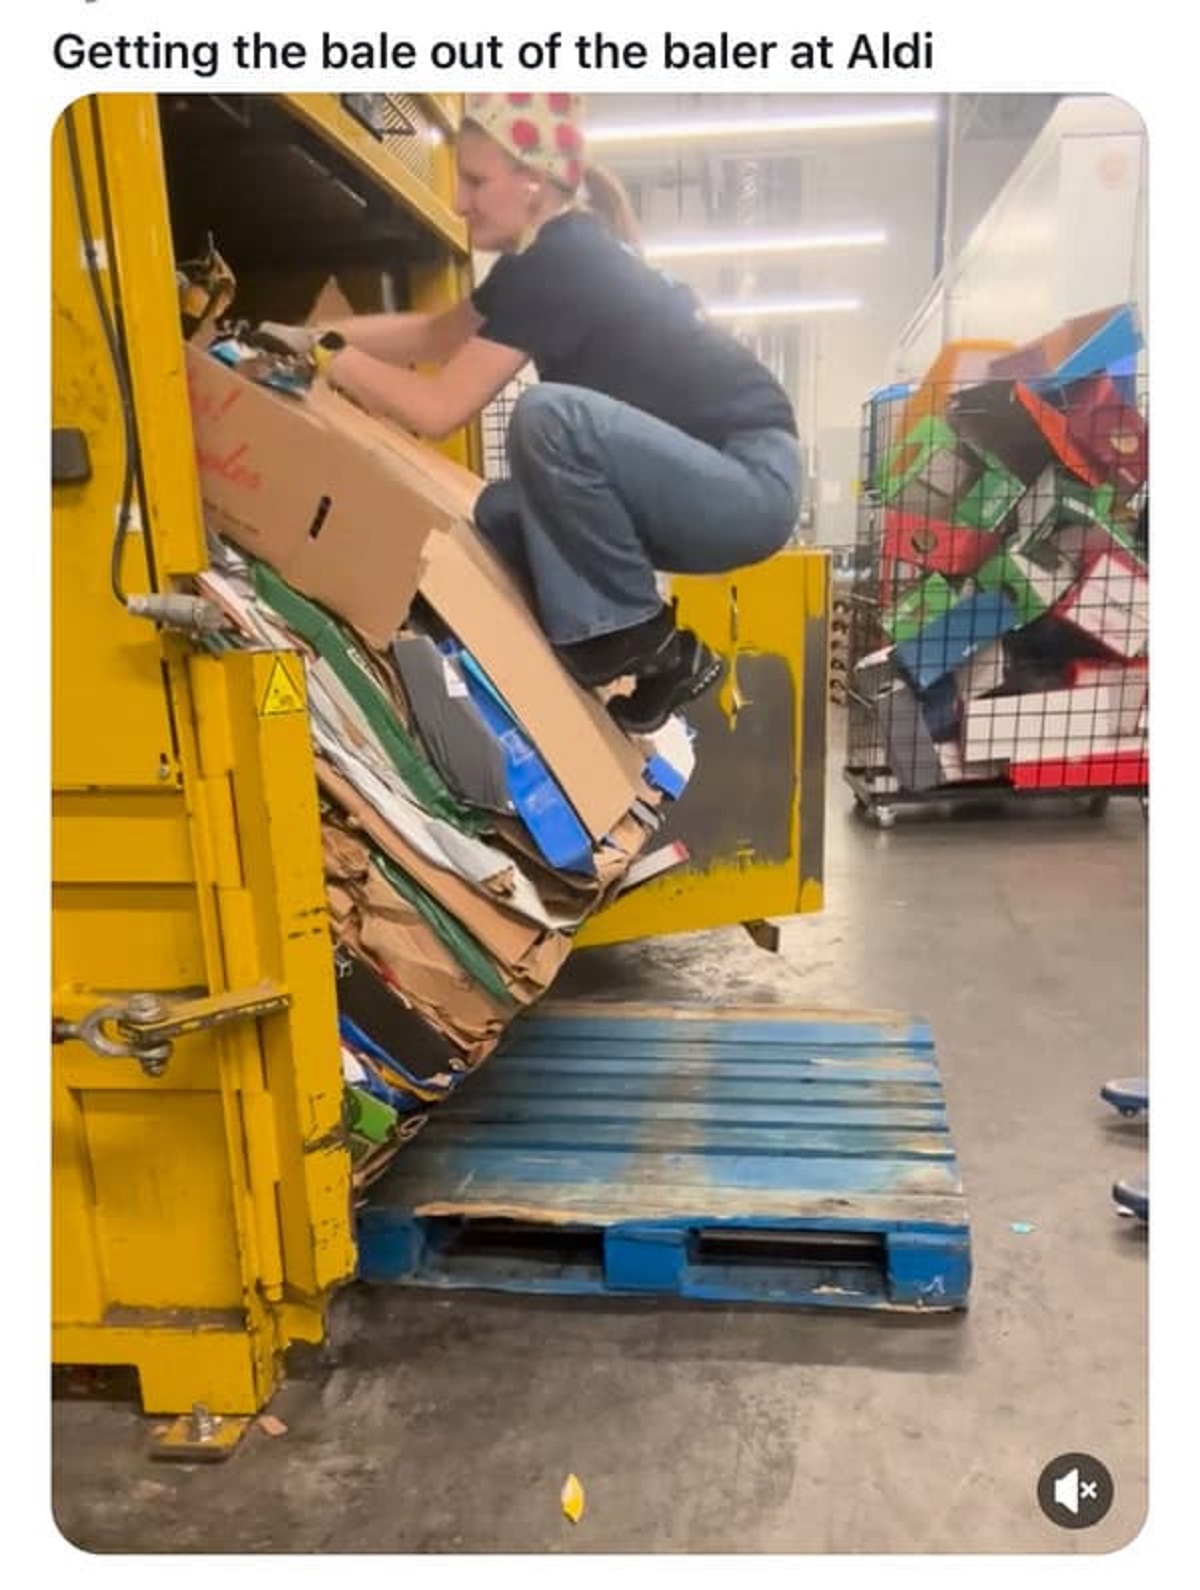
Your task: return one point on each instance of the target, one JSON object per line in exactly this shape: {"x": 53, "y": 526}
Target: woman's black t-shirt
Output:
{"x": 590, "y": 313}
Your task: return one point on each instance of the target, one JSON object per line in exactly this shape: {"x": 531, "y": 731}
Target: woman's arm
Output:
{"x": 431, "y": 405}
{"x": 411, "y": 338}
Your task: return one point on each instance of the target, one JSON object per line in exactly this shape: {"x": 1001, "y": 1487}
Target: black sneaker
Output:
{"x": 698, "y": 669}
{"x": 645, "y": 649}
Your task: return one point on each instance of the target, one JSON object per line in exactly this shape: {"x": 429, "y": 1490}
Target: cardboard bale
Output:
{"x": 338, "y": 519}
{"x": 361, "y": 518}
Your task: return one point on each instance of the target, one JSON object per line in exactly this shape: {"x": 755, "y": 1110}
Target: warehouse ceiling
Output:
{"x": 896, "y": 178}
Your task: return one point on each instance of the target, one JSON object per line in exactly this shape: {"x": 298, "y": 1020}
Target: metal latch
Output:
{"x": 146, "y": 1025}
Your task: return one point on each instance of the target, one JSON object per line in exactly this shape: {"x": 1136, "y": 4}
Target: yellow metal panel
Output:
{"x": 180, "y": 1361}
{"x": 284, "y": 934}
{"x": 164, "y": 1205}
{"x": 77, "y": 1288}
{"x": 129, "y": 836}
{"x": 775, "y": 609}
{"x": 188, "y": 1207}
{"x": 127, "y": 936}
{"x": 145, "y": 267}
{"x": 323, "y": 112}
{"x": 98, "y": 653}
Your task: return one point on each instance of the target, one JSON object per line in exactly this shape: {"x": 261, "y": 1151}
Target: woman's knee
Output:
{"x": 547, "y": 422}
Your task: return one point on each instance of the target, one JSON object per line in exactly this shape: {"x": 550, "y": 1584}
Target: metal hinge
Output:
{"x": 146, "y": 1025}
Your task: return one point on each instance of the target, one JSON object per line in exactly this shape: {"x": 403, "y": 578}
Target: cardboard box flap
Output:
{"x": 343, "y": 522}
{"x": 597, "y": 767}
{"x": 446, "y": 483}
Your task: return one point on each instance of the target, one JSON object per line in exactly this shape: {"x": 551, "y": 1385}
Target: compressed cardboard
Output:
{"x": 1110, "y": 603}
{"x": 935, "y": 545}
{"x": 337, "y": 517}
{"x": 1040, "y": 726}
{"x": 598, "y": 768}
{"x": 523, "y": 947}
{"x": 361, "y": 517}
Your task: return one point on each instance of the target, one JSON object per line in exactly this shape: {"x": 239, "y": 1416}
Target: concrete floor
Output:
{"x": 441, "y": 1423}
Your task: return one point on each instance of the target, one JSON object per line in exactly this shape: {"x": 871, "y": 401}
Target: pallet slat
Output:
{"x": 703, "y": 1154}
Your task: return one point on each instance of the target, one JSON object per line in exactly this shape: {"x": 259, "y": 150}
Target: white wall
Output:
{"x": 1066, "y": 235}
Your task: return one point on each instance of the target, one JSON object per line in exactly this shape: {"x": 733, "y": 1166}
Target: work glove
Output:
{"x": 273, "y": 335}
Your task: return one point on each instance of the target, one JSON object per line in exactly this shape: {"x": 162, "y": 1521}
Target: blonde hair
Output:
{"x": 607, "y": 198}
{"x": 603, "y": 193}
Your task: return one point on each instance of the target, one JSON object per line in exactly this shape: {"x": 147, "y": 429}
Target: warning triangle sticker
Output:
{"x": 281, "y": 694}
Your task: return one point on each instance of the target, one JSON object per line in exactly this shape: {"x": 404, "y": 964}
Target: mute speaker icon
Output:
{"x": 1066, "y": 1491}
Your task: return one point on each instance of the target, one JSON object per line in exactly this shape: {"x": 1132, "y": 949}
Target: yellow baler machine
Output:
{"x": 202, "y": 1209}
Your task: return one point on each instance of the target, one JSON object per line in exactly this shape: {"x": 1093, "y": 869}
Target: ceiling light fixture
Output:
{"x": 764, "y": 243}
{"x": 751, "y": 309}
{"x": 760, "y": 126}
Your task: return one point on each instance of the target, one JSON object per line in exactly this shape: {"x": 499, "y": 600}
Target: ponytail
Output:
{"x": 607, "y": 198}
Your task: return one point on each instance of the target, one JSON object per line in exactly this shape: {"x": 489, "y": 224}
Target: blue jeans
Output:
{"x": 602, "y": 495}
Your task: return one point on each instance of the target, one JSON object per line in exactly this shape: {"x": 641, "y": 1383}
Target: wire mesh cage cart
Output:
{"x": 1000, "y": 611}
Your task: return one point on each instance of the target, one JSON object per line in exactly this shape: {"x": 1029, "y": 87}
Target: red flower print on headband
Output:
{"x": 525, "y": 134}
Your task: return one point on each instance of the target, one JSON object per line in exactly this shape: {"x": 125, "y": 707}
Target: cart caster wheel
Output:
{"x": 885, "y": 816}
{"x": 1097, "y": 806}
{"x": 1129, "y": 1096}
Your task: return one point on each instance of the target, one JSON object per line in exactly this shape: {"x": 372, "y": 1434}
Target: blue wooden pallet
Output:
{"x": 751, "y": 1155}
